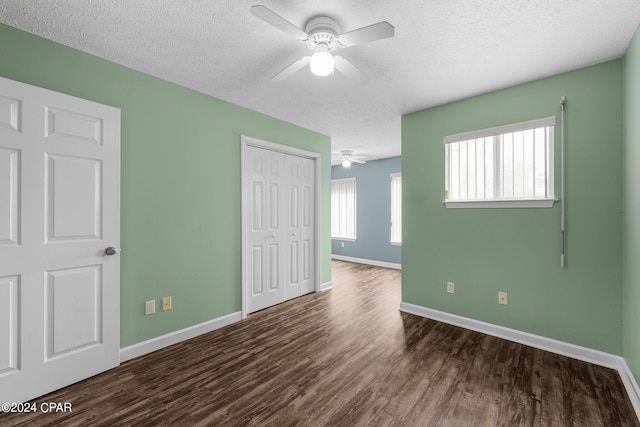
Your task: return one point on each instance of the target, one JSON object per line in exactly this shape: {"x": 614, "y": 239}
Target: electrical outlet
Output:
{"x": 150, "y": 307}
{"x": 451, "y": 287}
{"x": 342, "y": 244}
{"x": 166, "y": 303}
{"x": 502, "y": 298}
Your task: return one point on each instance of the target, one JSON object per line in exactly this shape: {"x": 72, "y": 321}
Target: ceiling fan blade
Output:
{"x": 291, "y": 69}
{"x": 379, "y": 31}
{"x": 362, "y": 162}
{"x": 349, "y": 70}
{"x": 270, "y": 17}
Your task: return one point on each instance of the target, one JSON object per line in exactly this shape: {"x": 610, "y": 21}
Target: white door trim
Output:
{"x": 248, "y": 141}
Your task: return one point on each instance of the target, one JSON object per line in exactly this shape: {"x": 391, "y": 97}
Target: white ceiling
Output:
{"x": 443, "y": 50}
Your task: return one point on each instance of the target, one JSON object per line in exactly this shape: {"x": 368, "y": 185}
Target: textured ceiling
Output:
{"x": 443, "y": 50}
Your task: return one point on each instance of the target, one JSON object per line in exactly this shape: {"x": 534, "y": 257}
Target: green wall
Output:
{"x": 518, "y": 250}
{"x": 631, "y": 208}
{"x": 180, "y": 216}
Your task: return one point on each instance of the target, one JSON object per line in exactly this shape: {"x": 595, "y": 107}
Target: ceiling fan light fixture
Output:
{"x": 322, "y": 63}
{"x": 346, "y": 163}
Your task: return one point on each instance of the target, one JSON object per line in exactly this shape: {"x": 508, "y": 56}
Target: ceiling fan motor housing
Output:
{"x": 322, "y": 29}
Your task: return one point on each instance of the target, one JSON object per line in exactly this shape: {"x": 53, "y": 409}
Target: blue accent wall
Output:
{"x": 373, "y": 222}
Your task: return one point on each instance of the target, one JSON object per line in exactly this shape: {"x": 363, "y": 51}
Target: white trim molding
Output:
{"x": 631, "y": 386}
{"x": 367, "y": 261}
{"x": 585, "y": 354}
{"x": 496, "y": 130}
{"x": 144, "y": 347}
{"x": 326, "y": 286}
{"x": 500, "y": 203}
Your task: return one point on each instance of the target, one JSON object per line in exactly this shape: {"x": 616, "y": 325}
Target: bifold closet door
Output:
{"x": 300, "y": 230}
{"x": 265, "y": 263}
{"x": 280, "y": 228}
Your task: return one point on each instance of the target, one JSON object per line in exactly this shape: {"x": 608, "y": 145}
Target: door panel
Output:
{"x": 75, "y": 126}
{"x": 274, "y": 267}
{"x": 59, "y": 210}
{"x": 256, "y": 212}
{"x": 258, "y": 272}
{"x": 73, "y": 299}
{"x": 306, "y": 259}
{"x": 9, "y": 177}
{"x": 306, "y": 206}
{"x": 9, "y": 317}
{"x": 73, "y": 185}
{"x": 294, "y": 280}
{"x": 274, "y": 213}
{"x": 10, "y": 113}
{"x": 293, "y": 206}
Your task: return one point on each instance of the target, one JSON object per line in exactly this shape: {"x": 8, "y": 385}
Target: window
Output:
{"x": 505, "y": 166}
{"x": 396, "y": 209}
{"x": 343, "y": 209}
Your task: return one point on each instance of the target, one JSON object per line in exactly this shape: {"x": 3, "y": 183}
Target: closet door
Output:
{"x": 263, "y": 224}
{"x": 300, "y": 226}
{"x": 279, "y": 224}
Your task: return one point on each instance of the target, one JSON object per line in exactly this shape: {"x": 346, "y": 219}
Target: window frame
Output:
{"x": 355, "y": 209}
{"x": 497, "y": 202}
{"x": 393, "y": 242}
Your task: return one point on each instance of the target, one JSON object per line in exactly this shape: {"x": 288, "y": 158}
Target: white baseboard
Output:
{"x": 367, "y": 261}
{"x": 585, "y": 354}
{"x": 326, "y": 286}
{"x": 631, "y": 385}
{"x": 144, "y": 347}
{"x": 566, "y": 349}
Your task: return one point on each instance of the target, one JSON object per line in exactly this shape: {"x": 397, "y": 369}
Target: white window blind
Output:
{"x": 396, "y": 209}
{"x": 343, "y": 209}
{"x": 512, "y": 163}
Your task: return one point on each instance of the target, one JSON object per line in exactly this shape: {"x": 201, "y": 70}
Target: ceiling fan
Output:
{"x": 322, "y": 35}
{"x": 347, "y": 159}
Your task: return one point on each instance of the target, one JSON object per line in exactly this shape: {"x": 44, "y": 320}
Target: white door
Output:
{"x": 265, "y": 265}
{"x": 300, "y": 231}
{"x": 279, "y": 225}
{"x": 59, "y": 212}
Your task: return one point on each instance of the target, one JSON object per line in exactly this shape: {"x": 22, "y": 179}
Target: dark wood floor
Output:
{"x": 345, "y": 357}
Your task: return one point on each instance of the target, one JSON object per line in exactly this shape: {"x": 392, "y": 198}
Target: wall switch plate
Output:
{"x": 342, "y": 244}
{"x": 150, "y": 307}
{"x": 502, "y": 298}
{"x": 166, "y": 303}
{"x": 451, "y": 287}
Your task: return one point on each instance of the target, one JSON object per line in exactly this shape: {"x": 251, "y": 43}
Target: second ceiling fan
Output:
{"x": 322, "y": 35}
{"x": 347, "y": 159}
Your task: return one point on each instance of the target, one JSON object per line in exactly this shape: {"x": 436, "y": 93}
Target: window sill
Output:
{"x": 344, "y": 239}
{"x": 395, "y": 243}
{"x": 504, "y": 203}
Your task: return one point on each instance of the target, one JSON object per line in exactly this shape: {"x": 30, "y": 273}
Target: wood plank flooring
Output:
{"x": 345, "y": 357}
